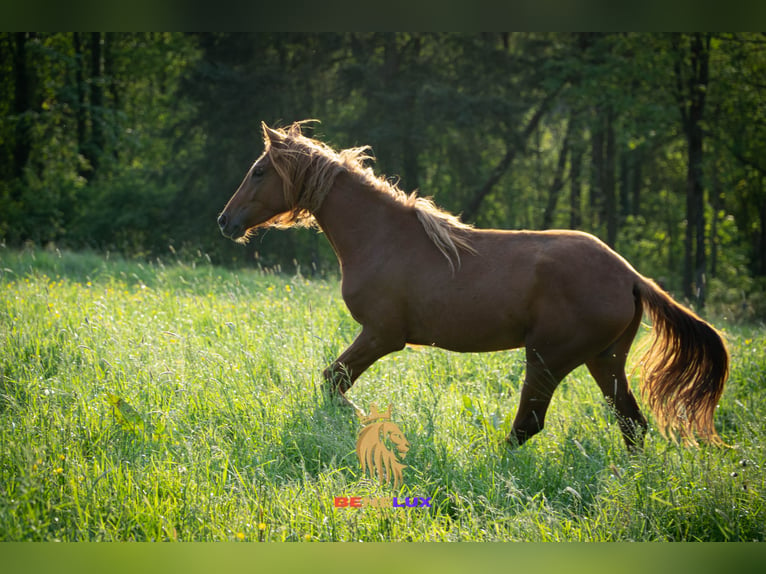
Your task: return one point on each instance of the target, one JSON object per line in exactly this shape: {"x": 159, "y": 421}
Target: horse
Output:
{"x": 412, "y": 273}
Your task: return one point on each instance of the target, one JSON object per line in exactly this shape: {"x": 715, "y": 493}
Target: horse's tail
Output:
{"x": 685, "y": 368}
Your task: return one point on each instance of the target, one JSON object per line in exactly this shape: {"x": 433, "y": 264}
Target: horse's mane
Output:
{"x": 308, "y": 169}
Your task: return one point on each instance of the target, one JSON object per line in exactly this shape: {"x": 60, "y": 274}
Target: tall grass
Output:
{"x": 222, "y": 433}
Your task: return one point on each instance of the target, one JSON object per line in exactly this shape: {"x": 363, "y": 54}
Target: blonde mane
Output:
{"x": 308, "y": 169}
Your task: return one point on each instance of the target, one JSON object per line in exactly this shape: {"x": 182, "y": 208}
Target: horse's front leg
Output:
{"x": 368, "y": 347}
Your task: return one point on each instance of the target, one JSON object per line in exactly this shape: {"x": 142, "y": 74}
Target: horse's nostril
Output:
{"x": 222, "y": 221}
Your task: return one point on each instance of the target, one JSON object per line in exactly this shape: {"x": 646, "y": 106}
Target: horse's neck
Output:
{"x": 355, "y": 216}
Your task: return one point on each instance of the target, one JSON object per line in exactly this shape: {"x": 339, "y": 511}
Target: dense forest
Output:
{"x": 656, "y": 143}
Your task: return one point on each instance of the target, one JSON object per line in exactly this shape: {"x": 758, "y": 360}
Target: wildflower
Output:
{"x": 261, "y": 526}
{"x": 240, "y": 535}
{"x": 58, "y": 470}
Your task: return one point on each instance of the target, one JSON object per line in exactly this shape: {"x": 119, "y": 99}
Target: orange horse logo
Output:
{"x": 375, "y": 447}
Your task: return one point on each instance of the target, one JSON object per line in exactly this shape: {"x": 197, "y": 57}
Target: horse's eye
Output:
{"x": 258, "y": 172}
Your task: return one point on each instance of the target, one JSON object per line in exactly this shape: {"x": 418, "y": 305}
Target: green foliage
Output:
{"x": 181, "y": 401}
{"x": 133, "y": 142}
{"x": 100, "y": 168}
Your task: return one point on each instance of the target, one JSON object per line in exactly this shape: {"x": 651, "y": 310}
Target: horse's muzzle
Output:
{"x": 230, "y": 228}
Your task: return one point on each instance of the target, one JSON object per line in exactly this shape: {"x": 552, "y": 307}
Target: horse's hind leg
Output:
{"x": 608, "y": 368}
{"x": 609, "y": 371}
{"x": 540, "y": 381}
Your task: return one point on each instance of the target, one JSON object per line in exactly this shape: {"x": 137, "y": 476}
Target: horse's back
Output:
{"x": 516, "y": 283}
{"x": 582, "y": 286}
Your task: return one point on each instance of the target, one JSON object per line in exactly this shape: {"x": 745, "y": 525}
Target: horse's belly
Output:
{"x": 466, "y": 330}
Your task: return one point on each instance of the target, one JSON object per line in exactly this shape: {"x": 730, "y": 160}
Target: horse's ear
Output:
{"x": 295, "y": 130}
{"x": 270, "y": 136}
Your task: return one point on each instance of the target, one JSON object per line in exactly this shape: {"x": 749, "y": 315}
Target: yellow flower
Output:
{"x": 240, "y": 535}
{"x": 58, "y": 470}
{"x": 261, "y": 526}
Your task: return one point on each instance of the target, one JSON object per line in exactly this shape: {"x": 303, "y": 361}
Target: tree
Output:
{"x": 558, "y": 178}
{"x": 655, "y": 142}
{"x": 22, "y": 103}
{"x": 692, "y": 74}
{"x": 737, "y": 122}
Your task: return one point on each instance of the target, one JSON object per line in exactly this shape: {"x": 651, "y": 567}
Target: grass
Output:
{"x": 222, "y": 432}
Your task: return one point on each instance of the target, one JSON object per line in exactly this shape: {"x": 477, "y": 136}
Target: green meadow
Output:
{"x": 177, "y": 400}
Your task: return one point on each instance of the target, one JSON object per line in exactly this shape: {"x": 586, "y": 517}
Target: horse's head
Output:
{"x": 260, "y": 199}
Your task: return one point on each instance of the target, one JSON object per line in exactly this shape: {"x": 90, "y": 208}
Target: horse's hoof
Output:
{"x": 347, "y": 403}
{"x": 513, "y": 442}
{"x": 340, "y": 400}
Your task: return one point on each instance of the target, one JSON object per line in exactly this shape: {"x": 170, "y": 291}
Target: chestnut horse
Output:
{"x": 412, "y": 273}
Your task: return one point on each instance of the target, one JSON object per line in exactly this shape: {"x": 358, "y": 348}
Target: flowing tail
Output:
{"x": 684, "y": 370}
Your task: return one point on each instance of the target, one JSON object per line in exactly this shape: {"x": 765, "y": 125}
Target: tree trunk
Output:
{"x": 635, "y": 202}
{"x": 22, "y": 105}
{"x": 762, "y": 239}
{"x": 113, "y": 92}
{"x": 410, "y": 148}
{"x": 558, "y": 180}
{"x": 96, "y": 101}
{"x": 410, "y": 165}
{"x": 717, "y": 202}
{"x": 609, "y": 187}
{"x": 624, "y": 187}
{"x": 596, "y": 195}
{"x": 690, "y": 93}
{"x": 696, "y": 215}
{"x": 80, "y": 109}
{"x": 575, "y": 185}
